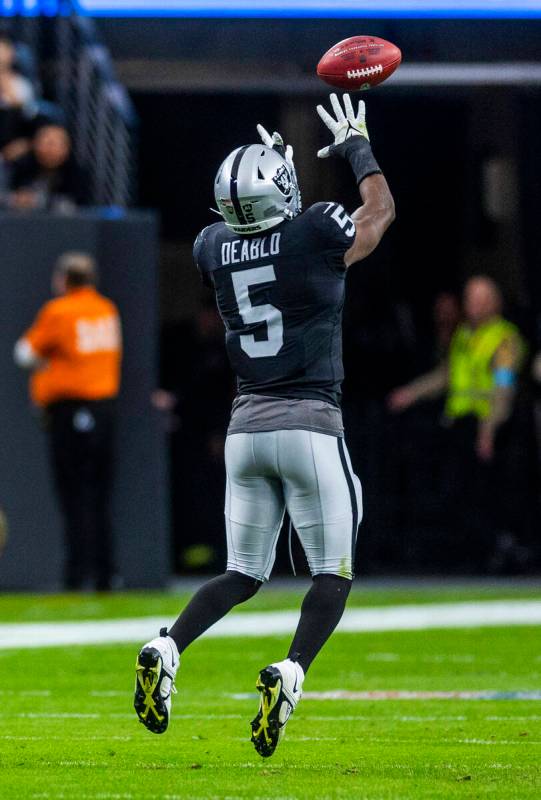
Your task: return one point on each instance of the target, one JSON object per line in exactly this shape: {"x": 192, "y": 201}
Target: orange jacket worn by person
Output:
{"x": 77, "y": 338}
{"x": 73, "y": 350}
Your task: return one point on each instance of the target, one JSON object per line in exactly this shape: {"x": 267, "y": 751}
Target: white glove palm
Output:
{"x": 276, "y": 143}
{"x": 345, "y": 125}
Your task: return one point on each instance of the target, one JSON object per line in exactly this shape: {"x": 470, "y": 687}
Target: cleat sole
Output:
{"x": 148, "y": 702}
{"x": 266, "y": 728}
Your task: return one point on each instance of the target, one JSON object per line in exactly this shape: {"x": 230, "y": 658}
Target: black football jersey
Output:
{"x": 281, "y": 296}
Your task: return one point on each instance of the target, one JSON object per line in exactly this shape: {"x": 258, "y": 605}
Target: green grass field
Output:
{"x": 68, "y": 730}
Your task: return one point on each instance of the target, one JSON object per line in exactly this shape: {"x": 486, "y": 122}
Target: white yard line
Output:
{"x": 393, "y": 694}
{"x": 274, "y": 623}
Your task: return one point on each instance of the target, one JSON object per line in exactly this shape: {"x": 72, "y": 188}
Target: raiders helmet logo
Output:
{"x": 282, "y": 180}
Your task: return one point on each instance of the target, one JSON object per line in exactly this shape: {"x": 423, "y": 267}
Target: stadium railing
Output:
{"x": 98, "y": 110}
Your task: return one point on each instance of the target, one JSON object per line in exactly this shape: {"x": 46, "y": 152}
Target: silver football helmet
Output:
{"x": 256, "y": 189}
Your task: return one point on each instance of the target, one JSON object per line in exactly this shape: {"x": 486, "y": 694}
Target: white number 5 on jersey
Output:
{"x": 342, "y": 218}
{"x": 265, "y": 313}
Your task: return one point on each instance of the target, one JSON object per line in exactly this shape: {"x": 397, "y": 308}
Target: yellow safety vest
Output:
{"x": 471, "y": 372}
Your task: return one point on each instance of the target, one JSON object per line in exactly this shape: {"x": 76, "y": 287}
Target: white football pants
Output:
{"x": 307, "y": 473}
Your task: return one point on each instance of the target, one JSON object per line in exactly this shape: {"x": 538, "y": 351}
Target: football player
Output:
{"x": 279, "y": 278}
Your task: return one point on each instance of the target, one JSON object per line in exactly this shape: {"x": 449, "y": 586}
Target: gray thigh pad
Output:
{"x": 310, "y": 474}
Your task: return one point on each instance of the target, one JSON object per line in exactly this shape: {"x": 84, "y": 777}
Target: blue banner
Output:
{"x": 30, "y": 8}
{"x": 381, "y": 9}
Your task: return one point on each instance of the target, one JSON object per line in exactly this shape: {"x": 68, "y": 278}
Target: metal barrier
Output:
{"x": 98, "y": 110}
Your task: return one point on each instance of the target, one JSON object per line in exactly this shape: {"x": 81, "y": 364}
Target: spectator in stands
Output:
{"x": 479, "y": 378}
{"x": 74, "y": 350}
{"x": 16, "y": 104}
{"x": 48, "y": 178}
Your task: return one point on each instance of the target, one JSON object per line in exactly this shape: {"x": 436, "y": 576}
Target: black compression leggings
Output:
{"x": 321, "y": 611}
{"x": 210, "y": 603}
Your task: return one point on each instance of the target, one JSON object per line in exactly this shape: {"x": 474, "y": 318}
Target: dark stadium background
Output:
{"x": 434, "y": 143}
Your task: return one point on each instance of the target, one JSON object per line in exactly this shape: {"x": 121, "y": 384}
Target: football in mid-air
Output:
{"x": 359, "y": 62}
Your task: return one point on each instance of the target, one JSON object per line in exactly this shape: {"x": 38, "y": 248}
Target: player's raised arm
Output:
{"x": 351, "y": 142}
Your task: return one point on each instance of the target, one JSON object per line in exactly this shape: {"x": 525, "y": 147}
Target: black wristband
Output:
{"x": 358, "y": 152}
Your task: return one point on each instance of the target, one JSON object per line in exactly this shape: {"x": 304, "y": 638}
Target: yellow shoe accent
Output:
{"x": 269, "y": 698}
{"x": 267, "y": 730}
{"x": 148, "y": 678}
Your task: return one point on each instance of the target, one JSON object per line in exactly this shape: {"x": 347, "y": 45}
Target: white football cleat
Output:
{"x": 280, "y": 686}
{"x": 155, "y": 671}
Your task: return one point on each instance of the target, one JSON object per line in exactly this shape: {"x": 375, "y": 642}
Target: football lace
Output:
{"x": 365, "y": 72}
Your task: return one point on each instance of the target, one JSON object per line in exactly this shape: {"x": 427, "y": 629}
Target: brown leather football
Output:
{"x": 359, "y": 62}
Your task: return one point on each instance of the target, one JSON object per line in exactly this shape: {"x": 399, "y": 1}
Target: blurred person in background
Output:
{"x": 387, "y": 341}
{"x": 536, "y": 368}
{"x": 446, "y": 317}
{"x": 196, "y": 391}
{"x": 383, "y": 344}
{"x": 480, "y": 377}
{"x": 74, "y": 351}
{"x": 48, "y": 177}
{"x": 536, "y": 376}
{"x": 414, "y": 487}
{"x": 3, "y": 531}
{"x": 16, "y": 103}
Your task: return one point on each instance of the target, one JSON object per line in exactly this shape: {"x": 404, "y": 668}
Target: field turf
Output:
{"x": 68, "y": 731}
